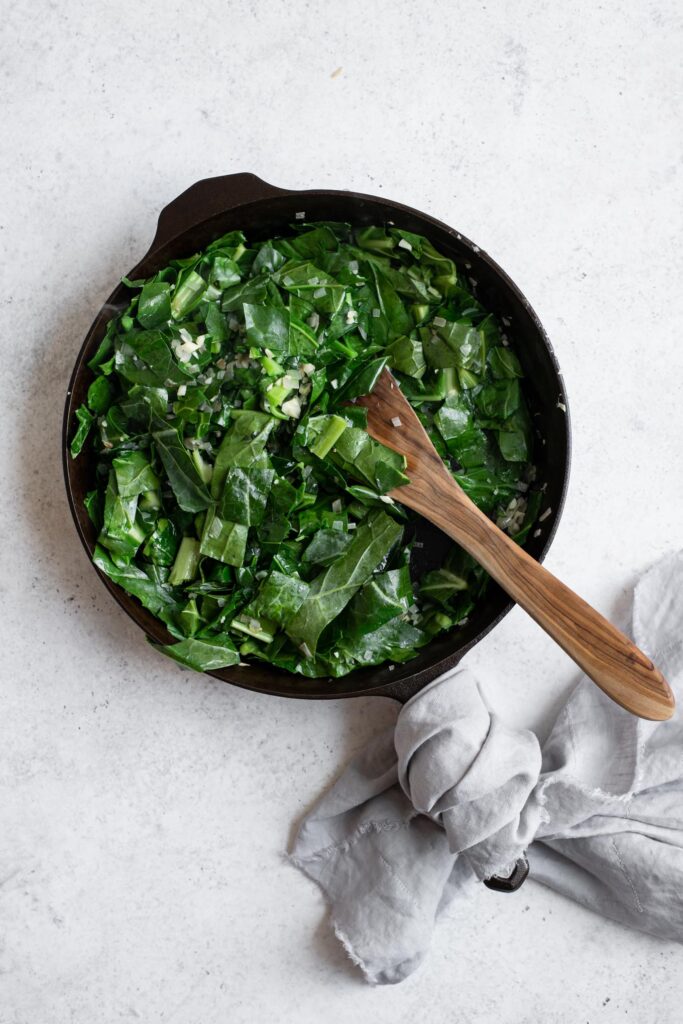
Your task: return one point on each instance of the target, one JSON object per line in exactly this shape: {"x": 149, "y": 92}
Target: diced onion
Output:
{"x": 292, "y": 408}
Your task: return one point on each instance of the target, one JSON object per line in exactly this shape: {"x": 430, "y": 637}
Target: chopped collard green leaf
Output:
{"x": 238, "y": 495}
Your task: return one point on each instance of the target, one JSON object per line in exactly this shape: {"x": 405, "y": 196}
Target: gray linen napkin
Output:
{"x": 452, "y": 796}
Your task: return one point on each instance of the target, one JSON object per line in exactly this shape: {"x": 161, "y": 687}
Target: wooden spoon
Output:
{"x": 608, "y": 657}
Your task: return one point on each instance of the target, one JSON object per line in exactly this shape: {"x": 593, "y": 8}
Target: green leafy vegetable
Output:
{"x": 387, "y": 595}
{"x": 326, "y": 546}
{"x": 280, "y": 597}
{"x": 406, "y": 355}
{"x": 397, "y": 640}
{"x": 183, "y": 476}
{"x": 122, "y": 532}
{"x": 157, "y": 598}
{"x": 223, "y": 540}
{"x": 241, "y": 446}
{"x": 235, "y": 490}
{"x": 85, "y": 422}
{"x": 267, "y": 326}
{"x": 332, "y": 590}
{"x": 245, "y": 493}
{"x": 145, "y": 357}
{"x": 441, "y": 584}
{"x": 364, "y": 459}
{"x": 161, "y": 546}
{"x": 154, "y": 304}
{"x": 99, "y": 395}
{"x": 187, "y": 294}
{"x": 134, "y": 475}
{"x": 205, "y": 655}
{"x": 186, "y": 562}
{"x": 324, "y": 432}
{"x": 504, "y": 363}
{"x": 363, "y": 380}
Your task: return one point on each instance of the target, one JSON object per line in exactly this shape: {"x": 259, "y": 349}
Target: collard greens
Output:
{"x": 238, "y": 495}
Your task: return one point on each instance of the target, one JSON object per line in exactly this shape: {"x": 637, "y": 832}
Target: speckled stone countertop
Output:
{"x": 143, "y": 809}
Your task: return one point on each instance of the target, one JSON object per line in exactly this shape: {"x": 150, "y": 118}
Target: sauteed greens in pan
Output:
{"x": 237, "y": 494}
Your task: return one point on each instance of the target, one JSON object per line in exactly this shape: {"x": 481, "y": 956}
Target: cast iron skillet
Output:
{"x": 214, "y": 206}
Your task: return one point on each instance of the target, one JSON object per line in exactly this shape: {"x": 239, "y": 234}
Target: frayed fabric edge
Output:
{"x": 378, "y": 977}
{"x": 350, "y": 951}
{"x": 357, "y": 960}
{"x": 542, "y": 790}
{"x": 370, "y": 976}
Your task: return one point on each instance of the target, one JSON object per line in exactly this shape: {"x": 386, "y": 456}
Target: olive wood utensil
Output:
{"x": 608, "y": 657}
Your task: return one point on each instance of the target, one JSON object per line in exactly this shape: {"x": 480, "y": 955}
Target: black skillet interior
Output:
{"x": 242, "y": 201}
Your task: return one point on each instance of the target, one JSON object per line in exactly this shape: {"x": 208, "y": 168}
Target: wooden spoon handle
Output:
{"x": 599, "y": 648}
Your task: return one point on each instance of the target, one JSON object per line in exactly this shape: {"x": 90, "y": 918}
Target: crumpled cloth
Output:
{"x": 452, "y": 795}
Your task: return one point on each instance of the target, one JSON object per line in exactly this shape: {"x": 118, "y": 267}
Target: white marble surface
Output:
{"x": 143, "y": 810}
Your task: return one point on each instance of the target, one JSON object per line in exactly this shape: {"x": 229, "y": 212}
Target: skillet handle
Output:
{"x": 402, "y": 690}
{"x": 208, "y": 197}
{"x": 513, "y": 881}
